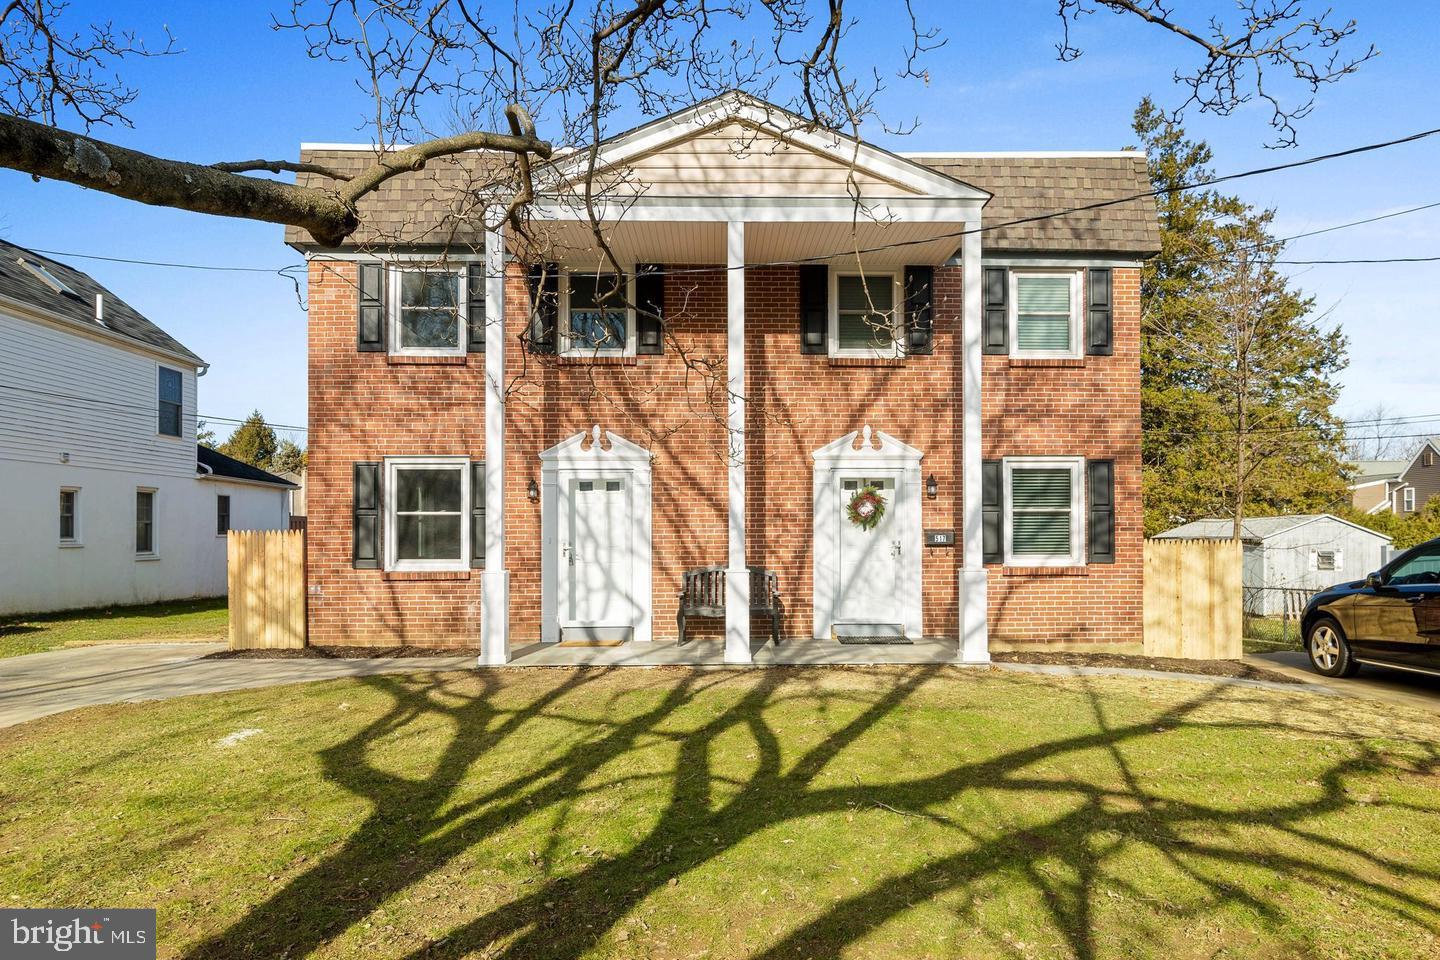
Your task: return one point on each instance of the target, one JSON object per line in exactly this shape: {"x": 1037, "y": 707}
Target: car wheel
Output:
{"x": 1329, "y": 652}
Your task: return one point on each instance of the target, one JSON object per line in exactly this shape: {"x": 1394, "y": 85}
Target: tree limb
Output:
{"x": 281, "y": 166}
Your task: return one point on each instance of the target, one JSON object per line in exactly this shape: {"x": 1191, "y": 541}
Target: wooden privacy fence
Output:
{"x": 1194, "y": 604}
{"x": 267, "y": 589}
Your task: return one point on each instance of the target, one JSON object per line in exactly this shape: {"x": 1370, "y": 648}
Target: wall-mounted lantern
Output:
{"x": 932, "y": 489}
{"x": 532, "y": 492}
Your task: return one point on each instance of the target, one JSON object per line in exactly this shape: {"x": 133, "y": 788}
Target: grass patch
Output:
{"x": 885, "y": 813}
{"x": 204, "y": 619}
{"x": 1268, "y": 634}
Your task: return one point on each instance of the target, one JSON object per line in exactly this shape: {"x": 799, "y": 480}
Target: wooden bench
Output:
{"x": 703, "y": 595}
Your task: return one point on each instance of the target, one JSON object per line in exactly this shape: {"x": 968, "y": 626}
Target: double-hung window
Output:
{"x": 1045, "y": 314}
{"x": 427, "y": 506}
{"x": 222, "y": 514}
{"x": 171, "y": 404}
{"x": 864, "y": 320}
{"x": 597, "y": 318}
{"x": 69, "y": 516}
{"x": 428, "y": 309}
{"x": 145, "y": 522}
{"x": 1408, "y": 496}
{"x": 1045, "y": 511}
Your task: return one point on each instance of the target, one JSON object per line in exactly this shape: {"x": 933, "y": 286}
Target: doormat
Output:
{"x": 883, "y": 640}
{"x": 591, "y": 643}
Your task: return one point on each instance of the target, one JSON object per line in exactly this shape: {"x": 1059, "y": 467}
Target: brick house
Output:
{"x": 500, "y": 455}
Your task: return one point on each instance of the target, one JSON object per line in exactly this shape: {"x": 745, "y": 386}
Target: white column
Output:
{"x": 495, "y": 582}
{"x": 974, "y": 627}
{"x": 737, "y": 577}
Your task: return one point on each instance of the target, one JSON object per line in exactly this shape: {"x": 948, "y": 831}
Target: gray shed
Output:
{"x": 1307, "y": 552}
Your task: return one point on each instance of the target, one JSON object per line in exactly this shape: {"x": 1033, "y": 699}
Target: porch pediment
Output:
{"x": 737, "y": 145}
{"x": 595, "y": 446}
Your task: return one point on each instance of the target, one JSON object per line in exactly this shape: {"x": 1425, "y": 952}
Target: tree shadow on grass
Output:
{"x": 419, "y": 828}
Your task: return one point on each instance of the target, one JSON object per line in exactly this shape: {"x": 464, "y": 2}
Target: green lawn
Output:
{"x": 890, "y": 813}
{"x": 1267, "y": 634}
{"x": 205, "y": 619}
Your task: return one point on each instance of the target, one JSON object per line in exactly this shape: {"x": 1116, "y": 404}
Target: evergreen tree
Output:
{"x": 1237, "y": 377}
{"x": 253, "y": 442}
{"x": 289, "y": 458}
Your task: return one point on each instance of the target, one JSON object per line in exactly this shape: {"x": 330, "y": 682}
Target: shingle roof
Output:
{"x": 1368, "y": 471}
{"x": 1253, "y": 530}
{"x": 1034, "y": 186}
{"x": 222, "y": 466}
{"x": 19, "y": 283}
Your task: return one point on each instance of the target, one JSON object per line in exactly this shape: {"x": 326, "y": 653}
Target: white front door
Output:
{"x": 872, "y": 562}
{"x": 596, "y": 555}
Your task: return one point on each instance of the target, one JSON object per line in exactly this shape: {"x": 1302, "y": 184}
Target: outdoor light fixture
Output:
{"x": 932, "y": 489}
{"x": 532, "y": 492}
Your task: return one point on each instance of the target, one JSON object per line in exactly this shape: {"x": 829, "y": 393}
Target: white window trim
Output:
{"x": 1076, "y": 350}
{"x": 169, "y": 436}
{"x": 832, "y": 336}
{"x": 78, "y": 540}
{"x": 567, "y": 349}
{"x": 1407, "y": 499}
{"x": 392, "y": 466}
{"x": 393, "y": 272}
{"x": 1076, "y": 557}
{"x": 154, "y": 552}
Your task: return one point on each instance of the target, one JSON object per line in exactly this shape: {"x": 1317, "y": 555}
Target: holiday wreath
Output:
{"x": 866, "y": 507}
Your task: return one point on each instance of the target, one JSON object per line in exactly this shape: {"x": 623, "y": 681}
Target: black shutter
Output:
{"x": 919, "y": 310}
{"x": 370, "y": 320}
{"x": 475, "y": 291}
{"x": 650, "y": 309}
{"x": 1099, "y": 341}
{"x": 992, "y": 511}
{"x": 365, "y": 504}
{"x": 814, "y": 307}
{"x": 477, "y": 513}
{"x": 997, "y": 317}
{"x": 1101, "y": 485}
{"x": 545, "y": 308}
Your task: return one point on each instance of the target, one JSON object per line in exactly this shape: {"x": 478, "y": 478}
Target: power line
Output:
{"x": 1358, "y": 223}
{"x": 165, "y": 263}
{"x": 143, "y": 408}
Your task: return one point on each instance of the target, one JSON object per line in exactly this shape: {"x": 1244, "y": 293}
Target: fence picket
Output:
{"x": 267, "y": 589}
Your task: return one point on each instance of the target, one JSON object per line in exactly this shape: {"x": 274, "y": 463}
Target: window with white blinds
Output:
{"x": 865, "y": 318}
{"x": 1044, "y": 315}
{"x": 1044, "y": 511}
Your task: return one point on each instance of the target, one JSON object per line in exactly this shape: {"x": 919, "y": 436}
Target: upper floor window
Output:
{"x": 1427, "y": 459}
{"x": 864, "y": 320}
{"x": 428, "y": 310}
{"x": 170, "y": 402}
{"x": 1409, "y": 499}
{"x": 597, "y": 316}
{"x": 1045, "y": 314}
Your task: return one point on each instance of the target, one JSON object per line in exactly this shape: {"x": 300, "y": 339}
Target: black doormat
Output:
{"x": 882, "y": 640}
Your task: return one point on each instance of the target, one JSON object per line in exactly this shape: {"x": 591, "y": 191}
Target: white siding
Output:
{"x": 69, "y": 393}
{"x": 1290, "y": 561}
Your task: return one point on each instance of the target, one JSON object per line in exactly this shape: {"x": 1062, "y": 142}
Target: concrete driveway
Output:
{"x": 40, "y": 684}
{"x": 1416, "y": 690}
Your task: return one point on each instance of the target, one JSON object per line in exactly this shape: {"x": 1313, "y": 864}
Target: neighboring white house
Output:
{"x": 1306, "y": 552}
{"x": 103, "y": 497}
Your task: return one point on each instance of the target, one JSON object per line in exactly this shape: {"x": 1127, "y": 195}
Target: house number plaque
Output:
{"x": 939, "y": 538}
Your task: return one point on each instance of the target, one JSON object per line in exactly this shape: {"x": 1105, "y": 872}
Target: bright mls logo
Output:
{"x": 112, "y": 934}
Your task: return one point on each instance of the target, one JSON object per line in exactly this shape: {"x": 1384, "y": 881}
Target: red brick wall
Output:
{"x": 1087, "y": 408}
{"x": 366, "y": 407}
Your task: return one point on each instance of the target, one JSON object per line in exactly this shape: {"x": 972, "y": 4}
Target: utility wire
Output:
{"x": 143, "y": 408}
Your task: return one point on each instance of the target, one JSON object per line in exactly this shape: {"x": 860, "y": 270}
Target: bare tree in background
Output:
{"x": 451, "y": 76}
{"x": 1379, "y": 433}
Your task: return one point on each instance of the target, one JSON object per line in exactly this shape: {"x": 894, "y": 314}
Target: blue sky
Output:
{"x": 242, "y": 90}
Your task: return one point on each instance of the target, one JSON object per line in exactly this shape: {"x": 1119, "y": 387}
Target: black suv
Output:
{"x": 1389, "y": 619}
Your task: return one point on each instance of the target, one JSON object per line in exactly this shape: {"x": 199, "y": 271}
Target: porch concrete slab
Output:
{"x": 708, "y": 653}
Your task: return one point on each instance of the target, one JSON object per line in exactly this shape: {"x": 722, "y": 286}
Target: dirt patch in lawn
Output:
{"x": 344, "y": 653}
{"x": 1208, "y": 668}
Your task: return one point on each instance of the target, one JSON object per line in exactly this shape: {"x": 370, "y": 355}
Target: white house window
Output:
{"x": 171, "y": 404}
{"x": 864, "y": 320}
{"x": 427, "y": 502}
{"x": 598, "y": 320}
{"x": 144, "y": 522}
{"x": 428, "y": 310}
{"x": 1044, "y": 499}
{"x": 69, "y": 515}
{"x": 1409, "y": 497}
{"x": 1045, "y": 314}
